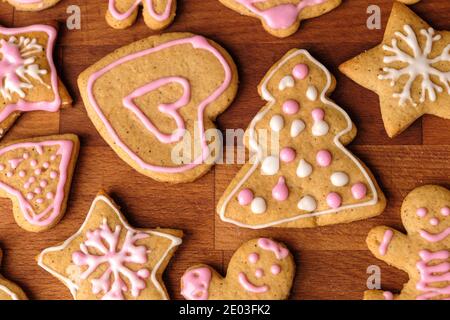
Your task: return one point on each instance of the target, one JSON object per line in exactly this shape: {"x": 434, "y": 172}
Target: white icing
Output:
{"x": 11, "y": 294}
{"x": 311, "y": 93}
{"x": 258, "y": 205}
{"x": 297, "y": 127}
{"x": 307, "y": 203}
{"x": 277, "y": 123}
{"x": 73, "y": 287}
{"x": 259, "y": 150}
{"x": 286, "y": 82}
{"x": 320, "y": 128}
{"x": 270, "y": 166}
{"x": 304, "y": 169}
{"x": 418, "y": 65}
{"x": 339, "y": 179}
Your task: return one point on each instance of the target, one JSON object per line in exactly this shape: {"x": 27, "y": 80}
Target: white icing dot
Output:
{"x": 277, "y": 123}
{"x": 286, "y": 82}
{"x": 307, "y": 203}
{"x": 270, "y": 166}
{"x": 297, "y": 127}
{"x": 304, "y": 169}
{"x": 339, "y": 179}
{"x": 311, "y": 93}
{"x": 258, "y": 205}
{"x": 320, "y": 129}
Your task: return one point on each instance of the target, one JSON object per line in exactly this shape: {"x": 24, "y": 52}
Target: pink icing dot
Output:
{"x": 334, "y": 200}
{"x": 388, "y": 295}
{"x": 300, "y": 71}
{"x": 2, "y": 167}
{"x": 53, "y": 158}
{"x": 253, "y": 257}
{"x": 26, "y": 155}
{"x": 38, "y": 171}
{"x": 26, "y": 185}
{"x": 53, "y": 174}
{"x": 49, "y": 195}
{"x": 33, "y": 163}
{"x": 245, "y": 197}
{"x": 445, "y": 211}
{"x": 43, "y": 183}
{"x": 38, "y": 190}
{"x": 287, "y": 155}
{"x": 9, "y": 174}
{"x": 30, "y": 195}
{"x": 143, "y": 273}
{"x": 422, "y": 212}
{"x": 259, "y": 273}
{"x": 323, "y": 158}
{"x": 290, "y": 107}
{"x": 275, "y": 269}
{"x": 39, "y": 200}
{"x": 434, "y": 221}
{"x": 359, "y": 190}
{"x": 32, "y": 179}
{"x": 22, "y": 173}
{"x": 46, "y": 165}
{"x": 318, "y": 114}
{"x": 280, "y": 192}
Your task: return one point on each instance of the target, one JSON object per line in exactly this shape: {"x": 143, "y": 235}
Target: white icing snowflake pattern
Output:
{"x": 419, "y": 64}
{"x": 105, "y": 243}
{"x": 18, "y": 67}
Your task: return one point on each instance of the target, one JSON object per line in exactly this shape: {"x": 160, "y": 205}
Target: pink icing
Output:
{"x": 290, "y": 107}
{"x": 359, "y": 191}
{"x": 287, "y": 155}
{"x": 445, "y": 211}
{"x": 430, "y": 237}
{"x": 253, "y": 257}
{"x": 422, "y": 212}
{"x": 275, "y": 269}
{"x": 12, "y": 54}
{"x": 324, "y": 158}
{"x": 198, "y": 43}
{"x": 318, "y": 114}
{"x": 334, "y": 200}
{"x": 434, "y": 221}
{"x": 281, "y": 16}
{"x": 432, "y": 274}
{"x": 53, "y": 174}
{"x": 387, "y": 238}
{"x": 245, "y": 197}
{"x": 259, "y": 273}
{"x": 300, "y": 71}
{"x": 388, "y": 295}
{"x": 125, "y": 15}
{"x": 247, "y": 285}
{"x": 270, "y": 245}
{"x": 280, "y": 192}
{"x": 196, "y": 284}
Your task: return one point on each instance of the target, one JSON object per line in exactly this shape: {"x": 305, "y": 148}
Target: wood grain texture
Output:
{"x": 331, "y": 261}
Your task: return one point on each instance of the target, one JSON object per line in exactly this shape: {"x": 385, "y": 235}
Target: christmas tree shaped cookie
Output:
{"x": 300, "y": 174}
{"x": 423, "y": 252}
{"x": 36, "y": 175}
{"x": 158, "y": 14}
{"x": 261, "y": 269}
{"x": 28, "y": 77}
{"x": 409, "y": 70}
{"x": 9, "y": 290}
{"x": 32, "y": 5}
{"x": 108, "y": 259}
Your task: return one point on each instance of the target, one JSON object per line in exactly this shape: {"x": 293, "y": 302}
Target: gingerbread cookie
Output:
{"x": 300, "y": 174}
{"x": 409, "y": 70}
{"x": 282, "y": 18}
{"x": 110, "y": 260}
{"x": 28, "y": 77}
{"x": 9, "y": 290}
{"x": 160, "y": 94}
{"x": 158, "y": 14}
{"x": 36, "y": 175}
{"x": 424, "y": 252}
{"x": 261, "y": 269}
{"x": 32, "y": 5}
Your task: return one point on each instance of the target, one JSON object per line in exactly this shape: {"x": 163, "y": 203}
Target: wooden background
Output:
{"x": 331, "y": 261}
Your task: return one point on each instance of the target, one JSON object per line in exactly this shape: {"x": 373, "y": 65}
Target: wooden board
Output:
{"x": 332, "y": 261}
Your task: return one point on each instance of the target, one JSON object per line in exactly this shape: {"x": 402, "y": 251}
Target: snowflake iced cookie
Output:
{"x": 9, "y": 290}
{"x": 36, "y": 175}
{"x": 282, "y": 18}
{"x": 32, "y": 5}
{"x": 110, "y": 260}
{"x": 28, "y": 77}
{"x": 155, "y": 100}
{"x": 261, "y": 269}
{"x": 300, "y": 174}
{"x": 409, "y": 70}
{"x": 158, "y": 14}
{"x": 424, "y": 252}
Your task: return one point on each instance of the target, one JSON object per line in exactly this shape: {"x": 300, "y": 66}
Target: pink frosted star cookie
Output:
{"x": 9, "y": 290}
{"x": 261, "y": 269}
{"x": 110, "y": 260}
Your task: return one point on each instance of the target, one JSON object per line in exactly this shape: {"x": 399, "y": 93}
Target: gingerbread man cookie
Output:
{"x": 158, "y": 14}
{"x": 32, "y": 5}
{"x": 300, "y": 174}
{"x": 28, "y": 77}
{"x": 423, "y": 252}
{"x": 282, "y": 18}
{"x": 160, "y": 95}
{"x": 9, "y": 290}
{"x": 36, "y": 175}
{"x": 409, "y": 70}
{"x": 110, "y": 260}
{"x": 261, "y": 269}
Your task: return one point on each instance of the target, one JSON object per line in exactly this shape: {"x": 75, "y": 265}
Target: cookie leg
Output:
{"x": 159, "y": 14}
{"x": 121, "y": 14}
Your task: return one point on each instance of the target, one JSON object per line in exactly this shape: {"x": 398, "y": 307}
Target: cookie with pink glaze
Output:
{"x": 261, "y": 269}
{"x": 8, "y": 289}
{"x": 36, "y": 175}
{"x": 423, "y": 252}
{"x": 301, "y": 174}
{"x": 282, "y": 18}
{"x": 158, "y": 14}
{"x": 108, "y": 259}
{"x": 32, "y": 5}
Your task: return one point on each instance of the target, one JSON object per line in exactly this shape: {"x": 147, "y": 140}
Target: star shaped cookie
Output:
{"x": 409, "y": 70}
{"x": 108, "y": 259}
{"x": 9, "y": 290}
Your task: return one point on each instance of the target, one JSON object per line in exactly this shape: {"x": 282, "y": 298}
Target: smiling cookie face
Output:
{"x": 260, "y": 269}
